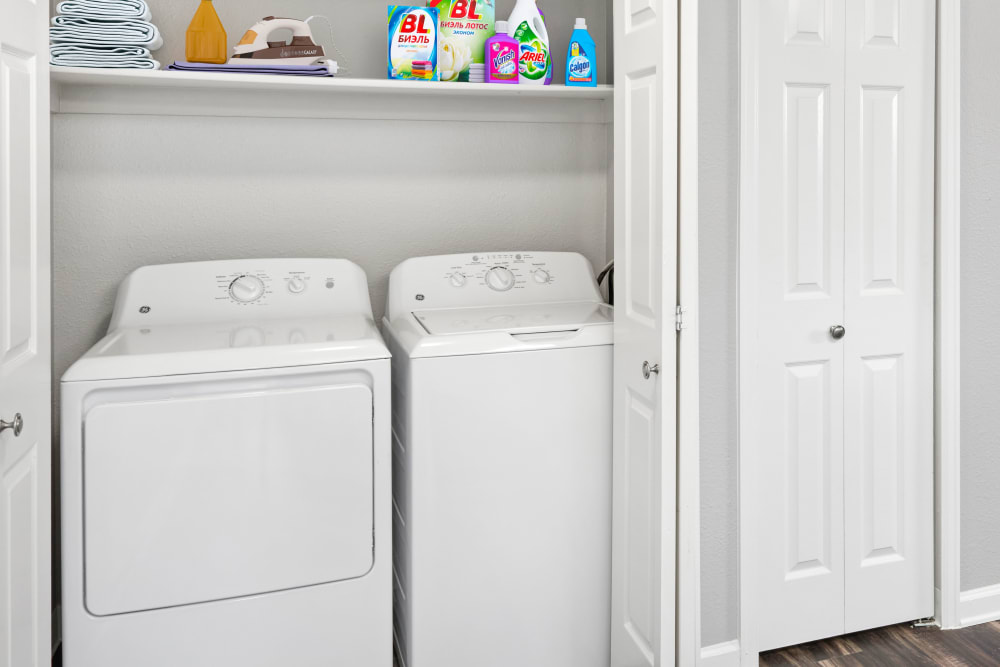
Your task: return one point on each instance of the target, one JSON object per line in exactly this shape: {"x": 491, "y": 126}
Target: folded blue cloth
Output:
{"x": 104, "y": 32}
{"x": 118, "y": 57}
{"x": 118, "y": 9}
{"x": 291, "y": 70}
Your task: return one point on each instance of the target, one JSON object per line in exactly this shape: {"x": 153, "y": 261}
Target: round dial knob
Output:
{"x": 296, "y": 285}
{"x": 246, "y": 289}
{"x": 499, "y": 279}
{"x": 457, "y": 279}
{"x": 542, "y": 276}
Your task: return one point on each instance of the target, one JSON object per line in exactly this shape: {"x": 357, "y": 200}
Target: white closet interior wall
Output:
{"x": 136, "y": 190}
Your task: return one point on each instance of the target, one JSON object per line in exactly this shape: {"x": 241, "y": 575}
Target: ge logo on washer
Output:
{"x": 144, "y": 309}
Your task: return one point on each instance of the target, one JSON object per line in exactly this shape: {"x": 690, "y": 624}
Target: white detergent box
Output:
{"x": 464, "y": 27}
{"x": 413, "y": 43}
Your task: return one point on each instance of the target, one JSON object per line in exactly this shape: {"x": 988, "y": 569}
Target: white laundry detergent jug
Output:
{"x": 527, "y": 26}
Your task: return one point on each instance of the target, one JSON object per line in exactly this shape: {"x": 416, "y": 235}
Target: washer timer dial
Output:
{"x": 499, "y": 279}
{"x": 246, "y": 289}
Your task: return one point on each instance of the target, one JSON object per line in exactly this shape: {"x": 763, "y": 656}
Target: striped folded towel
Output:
{"x": 119, "y": 9}
{"x": 117, "y": 57}
{"x": 104, "y": 32}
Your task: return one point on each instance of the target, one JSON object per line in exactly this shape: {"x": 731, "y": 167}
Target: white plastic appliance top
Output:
{"x": 232, "y": 315}
{"x": 482, "y": 303}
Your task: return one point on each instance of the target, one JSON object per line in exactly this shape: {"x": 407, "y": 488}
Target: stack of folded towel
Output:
{"x": 104, "y": 33}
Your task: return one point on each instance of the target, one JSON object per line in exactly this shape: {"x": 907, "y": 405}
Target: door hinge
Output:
{"x": 679, "y": 318}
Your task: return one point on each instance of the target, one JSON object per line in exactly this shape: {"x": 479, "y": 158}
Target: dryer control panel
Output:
{"x": 490, "y": 279}
{"x": 234, "y": 290}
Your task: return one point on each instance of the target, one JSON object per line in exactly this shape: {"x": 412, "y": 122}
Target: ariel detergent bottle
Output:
{"x": 527, "y": 26}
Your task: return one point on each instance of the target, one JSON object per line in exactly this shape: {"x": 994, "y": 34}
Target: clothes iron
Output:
{"x": 256, "y": 49}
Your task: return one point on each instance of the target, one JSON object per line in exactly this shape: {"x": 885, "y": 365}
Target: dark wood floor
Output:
{"x": 897, "y": 645}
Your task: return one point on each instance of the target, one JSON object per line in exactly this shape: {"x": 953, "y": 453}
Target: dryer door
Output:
{"x": 200, "y": 490}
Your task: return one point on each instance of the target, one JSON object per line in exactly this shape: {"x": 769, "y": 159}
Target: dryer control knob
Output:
{"x": 542, "y": 276}
{"x": 246, "y": 289}
{"x": 457, "y": 279}
{"x": 499, "y": 279}
{"x": 296, "y": 285}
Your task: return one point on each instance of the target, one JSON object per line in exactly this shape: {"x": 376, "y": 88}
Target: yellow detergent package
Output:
{"x": 464, "y": 27}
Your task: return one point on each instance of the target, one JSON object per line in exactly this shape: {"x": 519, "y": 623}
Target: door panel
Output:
{"x": 25, "y": 459}
{"x": 845, "y": 237}
{"x": 644, "y": 527}
{"x": 799, "y": 267}
{"x": 889, "y": 312}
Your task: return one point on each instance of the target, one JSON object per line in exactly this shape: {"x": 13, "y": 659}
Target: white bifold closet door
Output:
{"x": 844, "y": 476}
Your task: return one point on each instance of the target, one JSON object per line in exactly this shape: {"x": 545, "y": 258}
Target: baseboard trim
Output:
{"x": 980, "y": 605}
{"x": 725, "y": 654}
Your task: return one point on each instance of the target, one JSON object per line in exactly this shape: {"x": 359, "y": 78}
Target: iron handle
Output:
{"x": 837, "y": 332}
{"x": 648, "y": 370}
{"x": 16, "y": 425}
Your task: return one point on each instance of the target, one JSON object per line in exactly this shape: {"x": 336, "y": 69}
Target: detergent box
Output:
{"x": 413, "y": 43}
{"x": 465, "y": 25}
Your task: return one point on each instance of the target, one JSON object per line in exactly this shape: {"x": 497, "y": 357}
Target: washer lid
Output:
{"x": 154, "y": 351}
{"x": 515, "y": 319}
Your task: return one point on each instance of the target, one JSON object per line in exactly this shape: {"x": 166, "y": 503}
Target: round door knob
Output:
{"x": 838, "y": 332}
{"x": 648, "y": 370}
{"x": 15, "y": 425}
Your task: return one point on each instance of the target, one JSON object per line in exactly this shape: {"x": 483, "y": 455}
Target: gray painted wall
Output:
{"x": 718, "y": 323}
{"x": 980, "y": 295}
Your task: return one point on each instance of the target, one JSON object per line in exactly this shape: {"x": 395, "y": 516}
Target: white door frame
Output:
{"x": 688, "y": 357}
{"x": 947, "y": 303}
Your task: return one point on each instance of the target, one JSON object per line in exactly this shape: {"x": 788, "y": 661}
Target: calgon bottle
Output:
{"x": 581, "y": 59}
{"x": 527, "y": 26}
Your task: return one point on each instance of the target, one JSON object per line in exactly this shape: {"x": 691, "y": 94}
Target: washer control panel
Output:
{"x": 241, "y": 289}
{"x": 501, "y": 272}
{"x": 489, "y": 279}
{"x": 259, "y": 287}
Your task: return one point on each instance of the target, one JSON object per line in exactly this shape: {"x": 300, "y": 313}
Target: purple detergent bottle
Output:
{"x": 502, "y": 52}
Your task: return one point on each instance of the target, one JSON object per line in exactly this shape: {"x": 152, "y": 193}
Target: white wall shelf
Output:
{"x": 162, "y": 93}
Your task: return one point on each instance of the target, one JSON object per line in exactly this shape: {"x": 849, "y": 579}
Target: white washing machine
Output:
{"x": 226, "y": 472}
{"x": 502, "y": 461}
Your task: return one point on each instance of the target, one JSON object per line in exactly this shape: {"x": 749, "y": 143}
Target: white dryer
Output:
{"x": 226, "y": 472}
{"x": 502, "y": 461}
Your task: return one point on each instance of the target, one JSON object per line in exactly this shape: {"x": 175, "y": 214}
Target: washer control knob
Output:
{"x": 499, "y": 279}
{"x": 296, "y": 285}
{"x": 246, "y": 289}
{"x": 542, "y": 277}
{"x": 457, "y": 279}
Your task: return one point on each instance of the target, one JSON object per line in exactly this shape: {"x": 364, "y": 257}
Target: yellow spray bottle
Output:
{"x": 206, "y": 38}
